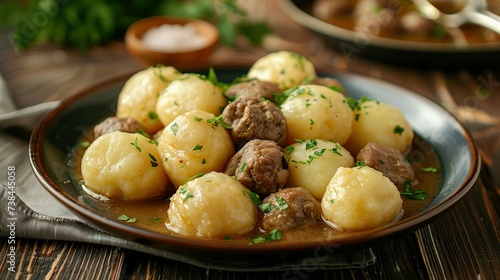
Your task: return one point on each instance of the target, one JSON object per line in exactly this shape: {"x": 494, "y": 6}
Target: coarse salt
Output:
{"x": 173, "y": 38}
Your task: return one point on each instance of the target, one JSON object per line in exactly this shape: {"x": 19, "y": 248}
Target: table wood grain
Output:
{"x": 463, "y": 243}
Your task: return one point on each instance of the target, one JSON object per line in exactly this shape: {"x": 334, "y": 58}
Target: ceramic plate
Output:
{"x": 351, "y": 44}
{"x": 60, "y": 130}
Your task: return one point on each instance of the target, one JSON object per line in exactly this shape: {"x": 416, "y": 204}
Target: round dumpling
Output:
{"x": 123, "y": 165}
{"x": 380, "y": 123}
{"x": 313, "y": 163}
{"x": 284, "y": 68}
{"x": 360, "y": 198}
{"x": 194, "y": 143}
{"x": 140, "y": 93}
{"x": 317, "y": 112}
{"x": 213, "y": 205}
{"x": 189, "y": 92}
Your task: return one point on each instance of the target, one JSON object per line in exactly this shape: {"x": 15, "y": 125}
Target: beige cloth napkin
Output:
{"x": 38, "y": 215}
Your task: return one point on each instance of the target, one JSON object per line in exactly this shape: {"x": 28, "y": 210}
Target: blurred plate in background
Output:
{"x": 394, "y": 50}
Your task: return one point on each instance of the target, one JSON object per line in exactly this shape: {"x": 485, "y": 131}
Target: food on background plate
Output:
{"x": 257, "y": 188}
{"x": 401, "y": 20}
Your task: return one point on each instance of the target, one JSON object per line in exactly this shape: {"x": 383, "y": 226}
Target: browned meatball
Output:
{"x": 253, "y": 88}
{"x": 390, "y": 162}
{"x": 260, "y": 166}
{"x": 253, "y": 118}
{"x": 290, "y": 208}
{"x": 117, "y": 124}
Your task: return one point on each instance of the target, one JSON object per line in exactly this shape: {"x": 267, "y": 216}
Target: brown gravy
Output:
{"x": 473, "y": 34}
{"x": 152, "y": 214}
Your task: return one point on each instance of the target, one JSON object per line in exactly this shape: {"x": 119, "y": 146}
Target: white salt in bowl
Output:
{"x": 171, "y": 41}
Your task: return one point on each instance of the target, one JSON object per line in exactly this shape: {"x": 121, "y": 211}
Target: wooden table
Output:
{"x": 463, "y": 243}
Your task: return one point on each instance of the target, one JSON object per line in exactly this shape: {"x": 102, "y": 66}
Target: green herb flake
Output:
{"x": 412, "y": 194}
{"x": 198, "y": 147}
{"x": 265, "y": 207}
{"x": 126, "y": 218}
{"x": 135, "y": 144}
{"x": 281, "y": 203}
{"x": 84, "y": 144}
{"x": 258, "y": 239}
{"x": 253, "y": 197}
{"x": 243, "y": 167}
{"x": 198, "y": 119}
{"x": 175, "y": 128}
{"x": 398, "y": 129}
{"x": 429, "y": 169}
{"x": 203, "y": 161}
{"x": 311, "y": 122}
{"x": 154, "y": 162}
{"x": 156, "y": 220}
{"x": 360, "y": 164}
{"x": 311, "y": 144}
{"x": 153, "y": 117}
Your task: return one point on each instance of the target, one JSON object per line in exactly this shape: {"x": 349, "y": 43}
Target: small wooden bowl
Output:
{"x": 149, "y": 57}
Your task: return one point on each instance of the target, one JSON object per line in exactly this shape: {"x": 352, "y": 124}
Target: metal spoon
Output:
{"x": 475, "y": 11}
{"x": 27, "y": 117}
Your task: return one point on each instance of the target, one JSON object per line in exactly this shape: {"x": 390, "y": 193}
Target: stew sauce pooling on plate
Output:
{"x": 290, "y": 156}
{"x": 400, "y": 20}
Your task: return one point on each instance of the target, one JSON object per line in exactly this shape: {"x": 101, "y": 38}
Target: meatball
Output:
{"x": 124, "y": 124}
{"x": 260, "y": 166}
{"x": 389, "y": 161}
{"x": 253, "y": 118}
{"x": 253, "y": 88}
{"x": 290, "y": 208}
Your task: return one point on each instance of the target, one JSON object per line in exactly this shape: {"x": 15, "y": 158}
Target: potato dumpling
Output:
{"x": 284, "y": 68}
{"x": 317, "y": 112}
{"x": 380, "y": 123}
{"x": 188, "y": 92}
{"x": 360, "y": 198}
{"x": 140, "y": 93}
{"x": 194, "y": 142}
{"x": 214, "y": 206}
{"x": 313, "y": 163}
{"x": 124, "y": 165}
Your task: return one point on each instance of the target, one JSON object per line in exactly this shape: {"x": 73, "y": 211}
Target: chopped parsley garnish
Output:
{"x": 218, "y": 120}
{"x": 84, "y": 144}
{"x": 135, "y": 144}
{"x": 429, "y": 169}
{"x": 126, "y": 218}
{"x": 197, "y": 119}
{"x": 198, "y": 147}
{"x": 154, "y": 162}
{"x": 243, "y": 167}
{"x": 398, "y": 129}
{"x": 175, "y": 128}
{"x": 266, "y": 207}
{"x": 412, "y": 194}
{"x": 183, "y": 191}
{"x": 281, "y": 203}
{"x": 311, "y": 122}
{"x": 311, "y": 144}
{"x": 356, "y": 104}
{"x": 153, "y": 117}
{"x": 156, "y": 220}
{"x": 253, "y": 197}
{"x": 274, "y": 234}
{"x": 360, "y": 164}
